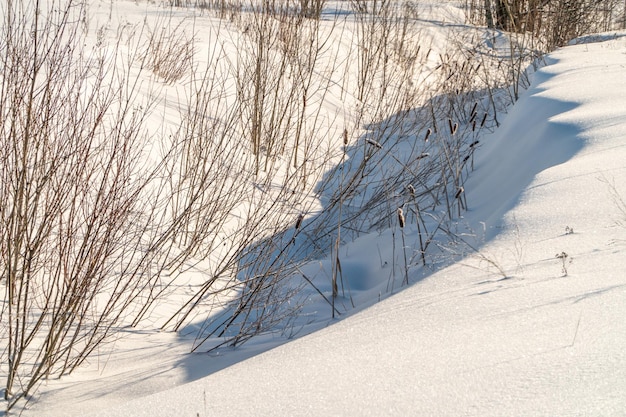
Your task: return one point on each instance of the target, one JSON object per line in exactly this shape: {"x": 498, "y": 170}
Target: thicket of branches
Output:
{"x": 82, "y": 238}
{"x": 102, "y": 213}
{"x": 553, "y": 22}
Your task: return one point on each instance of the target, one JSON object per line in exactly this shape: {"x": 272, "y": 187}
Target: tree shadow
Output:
{"x": 403, "y": 162}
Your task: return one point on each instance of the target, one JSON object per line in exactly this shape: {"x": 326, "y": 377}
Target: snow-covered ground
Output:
{"x": 528, "y": 322}
{"x": 467, "y": 341}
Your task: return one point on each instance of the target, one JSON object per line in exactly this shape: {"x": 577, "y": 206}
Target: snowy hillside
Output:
{"x": 337, "y": 216}
{"x": 547, "y": 339}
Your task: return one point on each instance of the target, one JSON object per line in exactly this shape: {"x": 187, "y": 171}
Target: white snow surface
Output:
{"x": 511, "y": 329}
{"x": 467, "y": 341}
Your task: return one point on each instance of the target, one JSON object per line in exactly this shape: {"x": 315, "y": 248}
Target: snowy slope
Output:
{"x": 528, "y": 322}
{"x": 509, "y": 330}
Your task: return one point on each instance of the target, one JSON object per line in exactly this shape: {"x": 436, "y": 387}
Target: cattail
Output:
{"x": 459, "y": 192}
{"x": 474, "y": 125}
{"x": 345, "y": 136}
{"x": 374, "y": 143}
{"x": 411, "y": 190}
{"x": 299, "y": 221}
{"x": 454, "y": 129}
{"x": 482, "y": 124}
{"x": 473, "y": 115}
{"x": 473, "y": 144}
{"x": 423, "y": 155}
{"x": 428, "y": 133}
{"x": 401, "y": 217}
{"x": 473, "y": 112}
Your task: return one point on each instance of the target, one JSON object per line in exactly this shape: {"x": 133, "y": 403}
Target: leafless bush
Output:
{"x": 311, "y": 9}
{"x": 267, "y": 102}
{"x": 265, "y": 149}
{"x": 570, "y": 19}
{"x": 170, "y": 53}
{"x": 275, "y": 81}
{"x": 553, "y": 22}
{"x": 118, "y": 226}
{"x": 373, "y": 32}
{"x": 76, "y": 188}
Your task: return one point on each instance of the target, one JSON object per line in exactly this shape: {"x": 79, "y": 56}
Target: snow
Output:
{"x": 509, "y": 329}
{"x": 465, "y": 341}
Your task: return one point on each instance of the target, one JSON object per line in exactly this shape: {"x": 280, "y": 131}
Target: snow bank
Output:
{"x": 511, "y": 329}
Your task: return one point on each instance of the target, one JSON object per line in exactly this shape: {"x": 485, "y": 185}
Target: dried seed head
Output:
{"x": 482, "y": 124}
{"x": 401, "y": 217}
{"x": 428, "y": 133}
{"x": 345, "y": 136}
{"x": 299, "y": 221}
{"x": 411, "y": 190}
{"x": 374, "y": 143}
{"x": 473, "y": 112}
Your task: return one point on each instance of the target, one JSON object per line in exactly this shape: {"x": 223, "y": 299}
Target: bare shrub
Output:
{"x": 171, "y": 50}
{"x": 311, "y": 9}
{"x": 244, "y": 174}
{"x": 278, "y": 76}
{"x": 268, "y": 105}
{"x": 553, "y": 22}
{"x": 76, "y": 188}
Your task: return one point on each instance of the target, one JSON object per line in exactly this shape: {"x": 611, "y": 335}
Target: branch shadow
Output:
{"x": 364, "y": 191}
